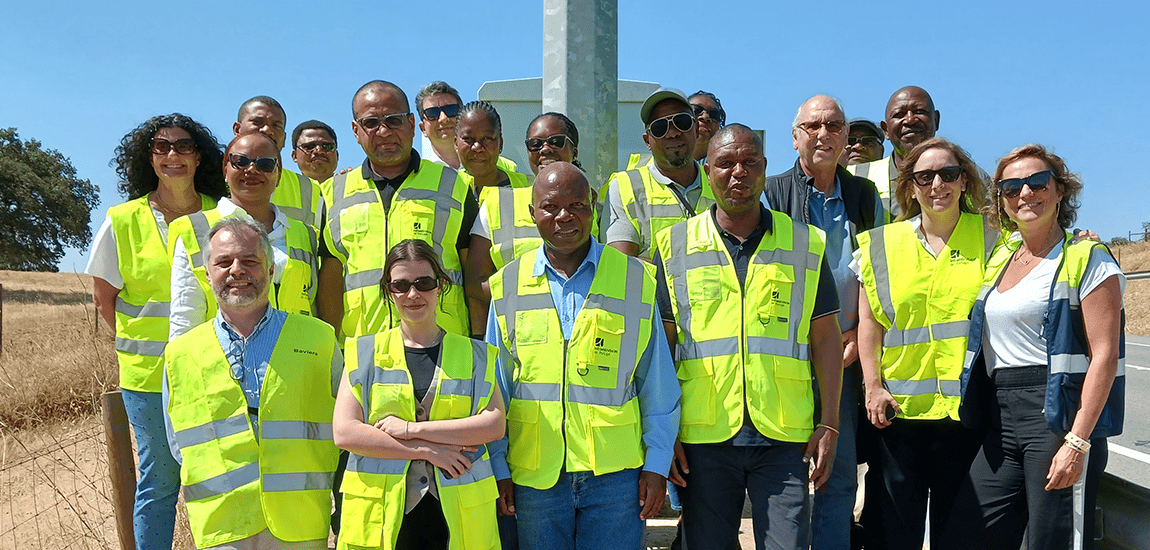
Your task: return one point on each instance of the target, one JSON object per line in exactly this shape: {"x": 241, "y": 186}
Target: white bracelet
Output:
{"x": 1077, "y": 443}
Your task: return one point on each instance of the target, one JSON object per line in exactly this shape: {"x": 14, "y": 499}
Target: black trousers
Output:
{"x": 424, "y": 527}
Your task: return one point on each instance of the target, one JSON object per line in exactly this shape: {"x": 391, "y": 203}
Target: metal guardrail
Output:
{"x": 1124, "y": 507}
{"x": 1137, "y": 275}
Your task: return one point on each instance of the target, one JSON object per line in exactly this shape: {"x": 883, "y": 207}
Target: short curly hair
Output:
{"x": 973, "y": 197}
{"x": 1069, "y": 185}
{"x": 133, "y": 160}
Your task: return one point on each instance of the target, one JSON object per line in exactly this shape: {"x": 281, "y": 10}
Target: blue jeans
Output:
{"x": 833, "y": 507}
{"x": 158, "y": 486}
{"x": 581, "y": 511}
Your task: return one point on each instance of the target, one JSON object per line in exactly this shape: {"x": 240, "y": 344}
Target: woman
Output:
{"x": 920, "y": 276}
{"x": 478, "y": 142}
{"x": 168, "y": 167}
{"x": 416, "y": 409}
{"x": 1043, "y": 374}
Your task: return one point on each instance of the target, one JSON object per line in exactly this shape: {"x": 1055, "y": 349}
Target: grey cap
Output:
{"x": 657, "y": 97}
{"x": 868, "y": 125}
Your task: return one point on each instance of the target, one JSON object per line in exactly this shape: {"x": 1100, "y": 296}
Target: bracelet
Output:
{"x": 406, "y": 427}
{"x": 1077, "y": 443}
{"x": 827, "y": 427}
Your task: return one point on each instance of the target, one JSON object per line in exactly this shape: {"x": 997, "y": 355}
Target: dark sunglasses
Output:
{"x": 948, "y": 174}
{"x": 394, "y": 122}
{"x": 866, "y": 141}
{"x": 1037, "y": 182}
{"x": 715, "y": 114}
{"x": 660, "y": 126}
{"x": 266, "y": 165}
{"x": 556, "y": 141}
{"x": 432, "y": 113}
{"x": 325, "y": 146}
{"x": 422, "y": 284}
{"x": 184, "y": 146}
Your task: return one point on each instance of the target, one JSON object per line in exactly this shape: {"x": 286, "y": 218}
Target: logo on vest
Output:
{"x": 305, "y": 351}
{"x": 417, "y": 226}
{"x": 957, "y": 257}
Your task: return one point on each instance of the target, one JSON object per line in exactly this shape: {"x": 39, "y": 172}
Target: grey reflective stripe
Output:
{"x": 640, "y": 205}
{"x": 298, "y": 481}
{"x": 306, "y": 196}
{"x": 313, "y": 239}
{"x": 455, "y": 276}
{"x": 1062, "y": 291}
{"x": 480, "y": 387}
{"x": 480, "y": 469}
{"x": 508, "y": 304}
{"x": 677, "y": 269}
{"x": 612, "y": 397}
{"x": 211, "y": 431}
{"x": 708, "y": 348}
{"x": 441, "y": 200}
{"x": 362, "y": 279}
{"x": 534, "y": 301}
{"x": 365, "y": 371}
{"x": 150, "y": 309}
{"x": 223, "y": 483}
{"x": 300, "y": 214}
{"x": 800, "y": 248}
{"x": 922, "y": 335}
{"x": 300, "y": 255}
{"x": 200, "y": 228}
{"x": 666, "y": 211}
{"x": 950, "y": 388}
{"x": 701, "y": 258}
{"x": 800, "y": 259}
{"x": 381, "y": 466}
{"x": 339, "y": 185}
{"x": 881, "y": 273}
{"x": 951, "y": 329}
{"x": 778, "y": 347}
{"x": 147, "y": 348}
{"x": 928, "y": 386}
{"x": 538, "y": 392}
{"x": 295, "y": 429}
{"x": 633, "y": 310}
{"x": 1069, "y": 363}
{"x": 457, "y": 387}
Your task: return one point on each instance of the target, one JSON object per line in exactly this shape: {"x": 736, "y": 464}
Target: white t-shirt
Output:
{"x": 104, "y": 260}
{"x": 1013, "y": 335}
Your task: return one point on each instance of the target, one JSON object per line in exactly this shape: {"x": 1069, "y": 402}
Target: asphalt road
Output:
{"x": 1130, "y": 452}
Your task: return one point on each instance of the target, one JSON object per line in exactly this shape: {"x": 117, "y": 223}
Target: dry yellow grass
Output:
{"x": 1133, "y": 258}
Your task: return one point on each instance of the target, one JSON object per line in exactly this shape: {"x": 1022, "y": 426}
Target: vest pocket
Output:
{"x": 477, "y": 515}
{"x": 531, "y": 327}
{"x": 415, "y": 220}
{"x": 523, "y": 434}
{"x": 362, "y": 519}
{"x": 796, "y": 395}
{"x": 615, "y": 438}
{"x": 697, "y": 378}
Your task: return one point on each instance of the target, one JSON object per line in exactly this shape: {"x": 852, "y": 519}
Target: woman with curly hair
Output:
{"x": 169, "y": 167}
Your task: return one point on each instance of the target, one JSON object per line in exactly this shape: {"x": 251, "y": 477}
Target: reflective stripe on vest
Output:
{"x": 652, "y": 206}
{"x": 513, "y": 232}
{"x": 296, "y": 195}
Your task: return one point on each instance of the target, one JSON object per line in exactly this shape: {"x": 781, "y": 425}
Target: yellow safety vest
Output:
{"x": 652, "y": 207}
{"x": 237, "y": 485}
{"x": 743, "y": 345}
{"x": 515, "y": 179}
{"x": 513, "y": 232}
{"x": 299, "y": 197}
{"x": 882, "y": 172}
{"x": 574, "y": 405}
{"x": 427, "y": 206}
{"x": 142, "y": 306}
{"x": 295, "y": 292}
{"x": 923, "y": 304}
{"x": 374, "y": 489}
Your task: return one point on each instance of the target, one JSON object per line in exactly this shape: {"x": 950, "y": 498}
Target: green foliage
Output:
{"x": 43, "y": 205}
{"x": 1118, "y": 241}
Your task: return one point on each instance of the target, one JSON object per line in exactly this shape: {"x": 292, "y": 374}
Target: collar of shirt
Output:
{"x": 543, "y": 264}
{"x": 764, "y": 225}
{"x": 659, "y": 177}
{"x": 229, "y": 208}
{"x": 223, "y": 326}
{"x": 412, "y": 167}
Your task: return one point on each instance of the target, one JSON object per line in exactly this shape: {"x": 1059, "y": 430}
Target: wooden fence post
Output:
{"x": 121, "y": 466}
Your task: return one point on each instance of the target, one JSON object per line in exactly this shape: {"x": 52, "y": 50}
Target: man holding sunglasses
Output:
{"x": 314, "y": 150}
{"x": 864, "y": 143}
{"x": 669, "y": 189}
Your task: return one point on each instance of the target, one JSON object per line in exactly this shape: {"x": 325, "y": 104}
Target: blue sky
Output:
{"x": 1071, "y": 76}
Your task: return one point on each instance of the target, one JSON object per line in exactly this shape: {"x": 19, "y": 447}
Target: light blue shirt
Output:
{"x": 656, "y": 384}
{"x": 828, "y": 212}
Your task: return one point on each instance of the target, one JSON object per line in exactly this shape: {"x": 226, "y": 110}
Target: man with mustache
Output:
{"x": 910, "y": 120}
{"x": 314, "y": 149}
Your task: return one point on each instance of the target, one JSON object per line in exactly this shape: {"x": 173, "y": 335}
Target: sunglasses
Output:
{"x": 948, "y": 174}
{"x": 394, "y": 122}
{"x": 422, "y": 284}
{"x": 865, "y": 141}
{"x": 715, "y": 114}
{"x": 266, "y": 165}
{"x": 833, "y": 127}
{"x": 1037, "y": 182}
{"x": 432, "y": 113}
{"x": 184, "y": 146}
{"x": 660, "y": 126}
{"x": 556, "y": 141}
{"x": 325, "y": 146}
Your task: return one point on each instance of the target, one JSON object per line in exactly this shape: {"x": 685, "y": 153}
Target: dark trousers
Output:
{"x": 914, "y": 459}
{"x": 424, "y": 527}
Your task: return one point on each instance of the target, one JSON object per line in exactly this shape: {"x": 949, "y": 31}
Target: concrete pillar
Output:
{"x": 580, "y": 77}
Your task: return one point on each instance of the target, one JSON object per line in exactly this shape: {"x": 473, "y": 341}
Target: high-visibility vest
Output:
{"x": 882, "y": 172}
{"x": 574, "y": 406}
{"x": 374, "y": 489}
{"x": 515, "y": 179}
{"x": 1064, "y": 329}
{"x": 295, "y": 292}
{"x": 427, "y": 206}
{"x": 142, "y": 306}
{"x": 513, "y": 232}
{"x": 743, "y": 345}
{"x": 923, "y": 304}
{"x": 652, "y": 207}
{"x": 299, "y": 197}
{"x": 237, "y": 485}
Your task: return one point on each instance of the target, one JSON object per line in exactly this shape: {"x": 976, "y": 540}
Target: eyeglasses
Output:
{"x": 266, "y": 165}
{"x": 432, "y": 113}
{"x": 715, "y": 114}
{"x": 185, "y": 146}
{"x": 948, "y": 174}
{"x": 1037, "y": 182}
{"x": 660, "y": 126}
{"x": 394, "y": 122}
{"x": 325, "y": 146}
{"x": 833, "y": 127}
{"x": 556, "y": 141}
{"x": 865, "y": 141}
{"x": 422, "y": 284}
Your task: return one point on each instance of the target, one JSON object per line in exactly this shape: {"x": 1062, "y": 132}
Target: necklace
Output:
{"x": 1045, "y": 251}
{"x": 164, "y": 207}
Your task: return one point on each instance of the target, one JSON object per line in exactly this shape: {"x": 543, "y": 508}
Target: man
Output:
{"x": 864, "y": 143}
{"x": 710, "y": 116}
{"x": 314, "y": 150}
{"x": 593, "y": 403}
{"x": 748, "y": 294}
{"x": 669, "y": 189}
{"x": 248, "y": 402}
{"x": 394, "y": 195}
{"x": 820, "y": 192}
{"x": 298, "y": 196}
{"x": 438, "y": 104}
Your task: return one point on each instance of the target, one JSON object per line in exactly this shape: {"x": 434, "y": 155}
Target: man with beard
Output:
{"x": 314, "y": 149}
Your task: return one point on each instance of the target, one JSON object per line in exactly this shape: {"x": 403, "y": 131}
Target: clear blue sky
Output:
{"x": 1071, "y": 76}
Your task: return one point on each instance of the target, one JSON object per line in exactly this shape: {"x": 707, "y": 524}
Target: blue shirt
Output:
{"x": 655, "y": 380}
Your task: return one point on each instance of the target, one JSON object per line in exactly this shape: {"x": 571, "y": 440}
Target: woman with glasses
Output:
{"x": 168, "y": 167}
{"x": 251, "y": 167}
{"x": 1045, "y": 366}
{"x": 417, "y": 408}
{"x": 920, "y": 276}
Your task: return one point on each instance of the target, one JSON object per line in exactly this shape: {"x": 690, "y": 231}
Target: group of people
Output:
{"x": 459, "y": 355}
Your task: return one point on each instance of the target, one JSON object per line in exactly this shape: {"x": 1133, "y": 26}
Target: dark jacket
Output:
{"x": 790, "y": 193}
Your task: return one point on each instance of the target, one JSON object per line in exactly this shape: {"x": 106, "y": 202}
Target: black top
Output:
{"x": 421, "y": 364}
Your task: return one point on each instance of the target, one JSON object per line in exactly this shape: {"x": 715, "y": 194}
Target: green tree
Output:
{"x": 43, "y": 205}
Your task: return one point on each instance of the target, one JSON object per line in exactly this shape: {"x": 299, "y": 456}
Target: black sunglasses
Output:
{"x": 432, "y": 113}
{"x": 266, "y": 165}
{"x": 184, "y": 146}
{"x": 325, "y": 146}
{"x": 394, "y": 122}
{"x": 1037, "y": 182}
{"x": 867, "y": 141}
{"x": 660, "y": 126}
{"x": 422, "y": 284}
{"x": 556, "y": 141}
{"x": 715, "y": 114}
{"x": 948, "y": 174}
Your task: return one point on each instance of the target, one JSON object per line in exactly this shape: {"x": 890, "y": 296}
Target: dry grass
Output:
{"x": 1133, "y": 258}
